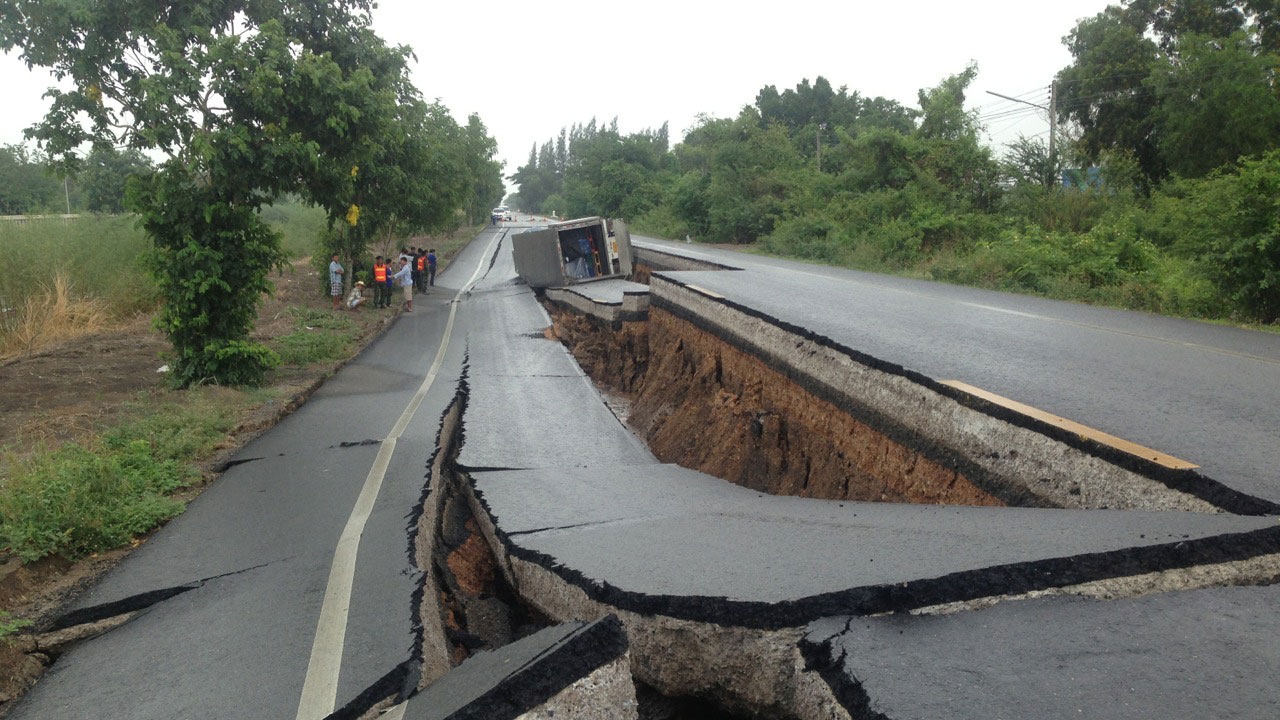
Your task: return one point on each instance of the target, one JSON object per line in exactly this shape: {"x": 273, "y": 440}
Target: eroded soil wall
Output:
{"x": 701, "y": 403}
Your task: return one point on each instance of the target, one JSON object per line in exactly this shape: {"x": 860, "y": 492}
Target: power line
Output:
{"x": 1021, "y": 112}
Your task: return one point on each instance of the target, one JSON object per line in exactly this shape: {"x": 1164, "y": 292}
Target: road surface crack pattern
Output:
{"x": 141, "y": 601}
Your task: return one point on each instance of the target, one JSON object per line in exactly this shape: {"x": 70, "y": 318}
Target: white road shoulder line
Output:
{"x": 320, "y": 689}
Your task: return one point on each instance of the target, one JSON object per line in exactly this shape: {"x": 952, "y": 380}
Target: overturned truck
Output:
{"x": 573, "y": 251}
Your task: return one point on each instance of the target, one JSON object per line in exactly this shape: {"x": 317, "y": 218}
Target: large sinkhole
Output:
{"x": 701, "y": 403}
{"x": 699, "y": 400}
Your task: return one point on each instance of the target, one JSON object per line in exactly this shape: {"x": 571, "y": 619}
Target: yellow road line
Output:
{"x": 1084, "y": 431}
{"x": 705, "y": 291}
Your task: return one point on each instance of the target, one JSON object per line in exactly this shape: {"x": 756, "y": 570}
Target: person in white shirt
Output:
{"x": 404, "y": 279}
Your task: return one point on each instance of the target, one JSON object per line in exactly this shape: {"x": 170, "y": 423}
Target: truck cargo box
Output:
{"x": 573, "y": 251}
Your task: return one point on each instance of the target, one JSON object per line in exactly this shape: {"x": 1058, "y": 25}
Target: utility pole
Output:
{"x": 66, "y": 191}
{"x": 821, "y": 127}
{"x": 1053, "y": 129}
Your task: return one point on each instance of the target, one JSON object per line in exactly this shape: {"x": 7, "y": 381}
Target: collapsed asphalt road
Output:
{"x": 232, "y": 592}
{"x": 726, "y": 594}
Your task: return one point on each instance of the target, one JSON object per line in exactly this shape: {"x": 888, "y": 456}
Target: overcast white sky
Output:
{"x": 530, "y": 68}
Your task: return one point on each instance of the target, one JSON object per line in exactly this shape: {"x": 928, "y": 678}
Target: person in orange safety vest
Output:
{"x": 381, "y": 290}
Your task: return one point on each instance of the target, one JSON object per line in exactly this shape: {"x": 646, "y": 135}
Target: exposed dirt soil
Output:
{"x": 617, "y": 358}
{"x": 69, "y": 391}
{"x": 703, "y": 404}
{"x": 480, "y": 611}
{"x": 65, "y": 392}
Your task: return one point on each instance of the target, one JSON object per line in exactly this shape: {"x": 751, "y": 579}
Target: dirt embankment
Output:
{"x": 702, "y": 403}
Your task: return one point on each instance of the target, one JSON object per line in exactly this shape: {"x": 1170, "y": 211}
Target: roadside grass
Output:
{"x": 65, "y": 277}
{"x": 83, "y": 498}
{"x": 321, "y": 335}
{"x": 299, "y": 225}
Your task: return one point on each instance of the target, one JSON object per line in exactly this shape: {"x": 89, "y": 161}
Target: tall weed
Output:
{"x": 52, "y": 315}
{"x": 98, "y": 256}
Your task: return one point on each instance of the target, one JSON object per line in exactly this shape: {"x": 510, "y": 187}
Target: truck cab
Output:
{"x": 573, "y": 251}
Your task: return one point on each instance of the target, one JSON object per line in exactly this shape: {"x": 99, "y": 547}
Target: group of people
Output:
{"x": 413, "y": 269}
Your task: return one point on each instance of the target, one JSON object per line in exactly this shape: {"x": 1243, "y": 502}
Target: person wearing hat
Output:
{"x": 357, "y": 296}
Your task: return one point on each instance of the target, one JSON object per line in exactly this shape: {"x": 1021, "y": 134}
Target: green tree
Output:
{"x": 1217, "y": 103}
{"x": 248, "y": 100}
{"x": 105, "y": 176}
{"x": 27, "y": 185}
{"x": 953, "y": 154}
{"x": 1170, "y": 20}
{"x": 943, "y": 116}
{"x": 1027, "y": 162}
{"x": 484, "y": 171}
{"x": 1104, "y": 92}
{"x": 1181, "y": 86}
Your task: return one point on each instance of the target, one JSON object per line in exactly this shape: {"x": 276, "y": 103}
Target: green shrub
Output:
{"x": 81, "y": 499}
{"x": 662, "y": 222}
{"x": 813, "y": 237}
{"x": 898, "y": 242}
{"x": 1059, "y": 209}
{"x": 77, "y": 501}
{"x": 1230, "y": 223}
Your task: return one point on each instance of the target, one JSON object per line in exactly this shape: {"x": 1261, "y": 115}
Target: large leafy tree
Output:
{"x": 1104, "y": 90}
{"x": 247, "y": 99}
{"x": 483, "y": 169}
{"x": 815, "y": 115}
{"x": 1181, "y": 86}
{"x": 1217, "y": 103}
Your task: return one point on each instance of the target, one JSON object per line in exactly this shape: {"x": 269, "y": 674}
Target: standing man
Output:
{"x": 335, "y": 281}
{"x": 431, "y": 267}
{"x": 404, "y": 278}
{"x": 420, "y": 264}
{"x": 413, "y": 264}
{"x": 391, "y": 282}
{"x": 381, "y": 297}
